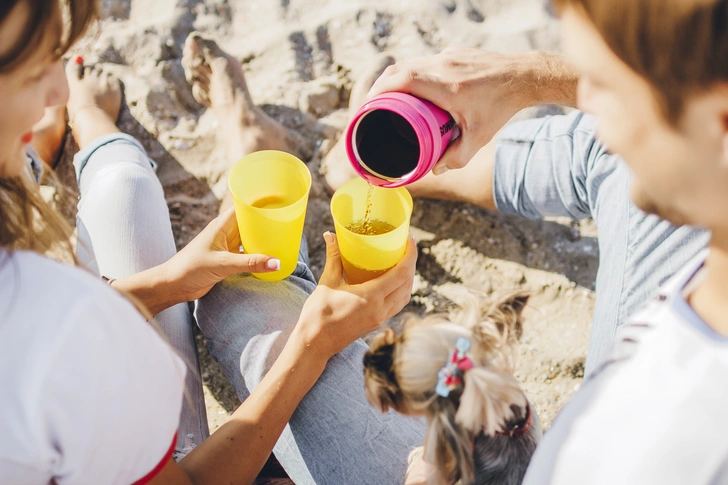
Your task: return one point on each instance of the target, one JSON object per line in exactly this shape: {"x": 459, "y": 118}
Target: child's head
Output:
{"x": 460, "y": 376}
{"x": 655, "y": 74}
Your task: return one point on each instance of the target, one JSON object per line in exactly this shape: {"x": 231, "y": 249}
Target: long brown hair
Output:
{"x": 26, "y": 219}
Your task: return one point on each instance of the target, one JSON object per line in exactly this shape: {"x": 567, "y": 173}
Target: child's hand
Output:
{"x": 418, "y": 471}
{"x": 336, "y": 313}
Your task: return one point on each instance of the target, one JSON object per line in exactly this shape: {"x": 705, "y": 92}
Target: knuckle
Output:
{"x": 253, "y": 264}
{"x": 391, "y": 70}
{"x": 410, "y": 75}
{"x": 449, "y": 61}
{"x": 456, "y": 87}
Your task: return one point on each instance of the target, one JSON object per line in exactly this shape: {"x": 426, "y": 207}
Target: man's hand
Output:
{"x": 336, "y": 313}
{"x": 481, "y": 90}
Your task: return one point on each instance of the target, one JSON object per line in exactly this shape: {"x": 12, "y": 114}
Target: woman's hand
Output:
{"x": 481, "y": 90}
{"x": 336, "y": 313}
{"x": 208, "y": 259}
{"x": 212, "y": 256}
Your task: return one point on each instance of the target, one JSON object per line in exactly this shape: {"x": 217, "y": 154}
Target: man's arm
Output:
{"x": 533, "y": 168}
{"x": 482, "y": 90}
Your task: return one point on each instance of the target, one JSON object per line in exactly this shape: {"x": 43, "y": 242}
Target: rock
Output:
{"x": 320, "y": 96}
{"x": 119, "y": 9}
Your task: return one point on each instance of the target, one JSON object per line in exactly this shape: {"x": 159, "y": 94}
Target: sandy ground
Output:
{"x": 301, "y": 58}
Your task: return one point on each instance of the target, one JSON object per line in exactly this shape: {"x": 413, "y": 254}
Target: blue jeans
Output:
{"x": 335, "y": 436}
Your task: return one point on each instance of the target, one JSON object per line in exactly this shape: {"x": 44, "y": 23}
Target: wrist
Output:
{"x": 308, "y": 343}
{"x": 309, "y": 331}
{"x": 154, "y": 288}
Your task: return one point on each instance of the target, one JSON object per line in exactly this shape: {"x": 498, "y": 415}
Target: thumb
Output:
{"x": 456, "y": 156}
{"x": 250, "y": 263}
{"x": 333, "y": 271}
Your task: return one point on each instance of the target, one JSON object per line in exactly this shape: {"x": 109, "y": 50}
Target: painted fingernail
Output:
{"x": 273, "y": 264}
{"x": 440, "y": 169}
{"x": 241, "y": 249}
{"x": 78, "y": 60}
{"x": 328, "y": 237}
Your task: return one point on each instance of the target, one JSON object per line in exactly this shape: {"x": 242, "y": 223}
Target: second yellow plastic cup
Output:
{"x": 270, "y": 192}
{"x": 365, "y": 257}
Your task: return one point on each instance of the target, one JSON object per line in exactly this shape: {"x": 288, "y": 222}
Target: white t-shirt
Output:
{"x": 89, "y": 392}
{"x": 655, "y": 413}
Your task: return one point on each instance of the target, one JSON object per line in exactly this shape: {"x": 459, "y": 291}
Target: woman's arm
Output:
{"x": 333, "y": 317}
{"x": 208, "y": 259}
{"x": 237, "y": 451}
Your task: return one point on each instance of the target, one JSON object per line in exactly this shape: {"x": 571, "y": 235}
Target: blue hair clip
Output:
{"x": 450, "y": 377}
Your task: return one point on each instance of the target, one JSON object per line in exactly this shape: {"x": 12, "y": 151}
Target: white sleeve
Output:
{"x": 110, "y": 404}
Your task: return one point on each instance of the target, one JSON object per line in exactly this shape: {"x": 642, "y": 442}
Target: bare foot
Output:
{"x": 94, "y": 103}
{"x": 218, "y": 82}
{"x": 336, "y": 168}
{"x": 48, "y": 134}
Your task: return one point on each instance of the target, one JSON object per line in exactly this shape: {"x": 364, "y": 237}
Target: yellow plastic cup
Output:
{"x": 270, "y": 193}
{"x": 365, "y": 257}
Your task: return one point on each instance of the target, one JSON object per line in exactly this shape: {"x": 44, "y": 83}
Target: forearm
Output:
{"x": 549, "y": 79}
{"x": 237, "y": 451}
{"x": 507, "y": 83}
{"x": 154, "y": 288}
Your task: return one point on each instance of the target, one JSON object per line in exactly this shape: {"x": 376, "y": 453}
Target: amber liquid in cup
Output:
{"x": 372, "y": 224}
{"x": 374, "y": 227}
{"x": 270, "y": 193}
{"x": 270, "y": 202}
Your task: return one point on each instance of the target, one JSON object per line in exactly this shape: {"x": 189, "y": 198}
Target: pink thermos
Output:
{"x": 396, "y": 138}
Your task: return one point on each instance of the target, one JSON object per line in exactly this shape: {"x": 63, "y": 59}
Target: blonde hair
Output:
{"x": 26, "y": 220}
{"x": 401, "y": 373}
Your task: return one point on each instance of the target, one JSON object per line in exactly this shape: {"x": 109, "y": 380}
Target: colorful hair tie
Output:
{"x": 450, "y": 377}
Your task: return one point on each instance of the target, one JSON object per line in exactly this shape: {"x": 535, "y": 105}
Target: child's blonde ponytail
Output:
{"x": 460, "y": 377}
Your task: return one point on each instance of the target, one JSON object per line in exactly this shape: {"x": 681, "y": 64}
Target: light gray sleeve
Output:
{"x": 547, "y": 167}
{"x": 35, "y": 164}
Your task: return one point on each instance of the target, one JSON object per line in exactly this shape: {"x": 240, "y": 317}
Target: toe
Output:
{"x": 199, "y": 73}
{"x": 203, "y": 46}
{"x": 193, "y": 60}
{"x": 200, "y": 94}
{"x": 192, "y": 45}
{"x": 74, "y": 69}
